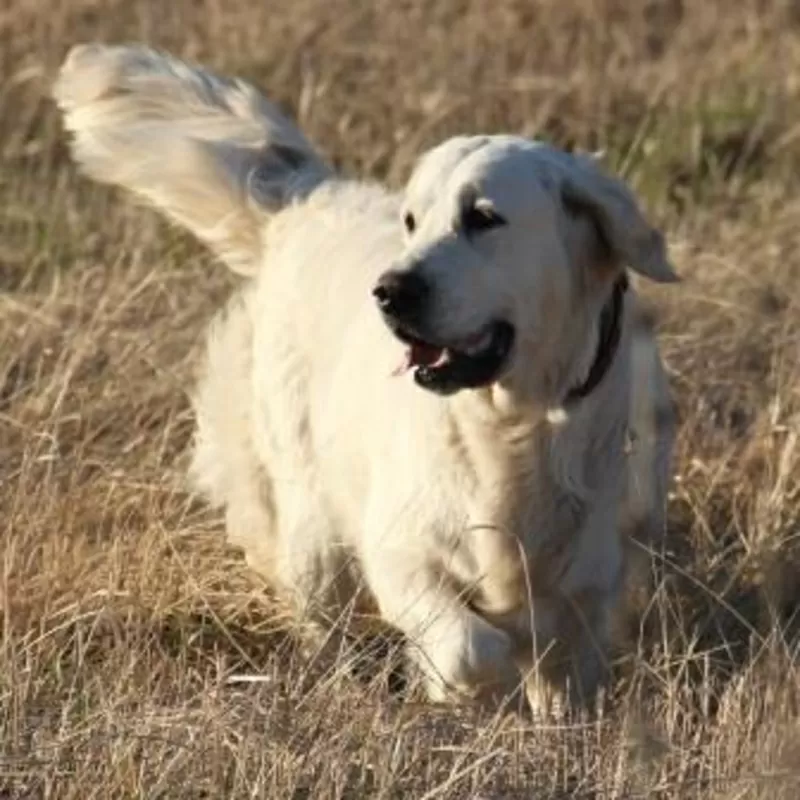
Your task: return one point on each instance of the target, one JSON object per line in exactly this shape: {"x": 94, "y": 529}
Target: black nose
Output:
{"x": 400, "y": 293}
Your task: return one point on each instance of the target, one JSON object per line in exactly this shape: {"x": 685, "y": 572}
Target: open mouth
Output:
{"x": 469, "y": 363}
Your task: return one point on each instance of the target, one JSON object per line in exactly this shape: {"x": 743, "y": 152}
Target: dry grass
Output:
{"x": 124, "y": 617}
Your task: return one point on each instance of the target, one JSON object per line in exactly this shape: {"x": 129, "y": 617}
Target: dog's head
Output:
{"x": 512, "y": 248}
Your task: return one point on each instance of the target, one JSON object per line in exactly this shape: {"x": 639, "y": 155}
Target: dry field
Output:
{"x": 123, "y": 618}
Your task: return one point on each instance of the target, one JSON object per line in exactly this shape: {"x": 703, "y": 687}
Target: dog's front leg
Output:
{"x": 566, "y": 669}
{"x": 461, "y": 655}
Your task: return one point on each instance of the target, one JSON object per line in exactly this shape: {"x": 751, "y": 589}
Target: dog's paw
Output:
{"x": 558, "y": 703}
{"x": 547, "y": 704}
{"x": 470, "y": 664}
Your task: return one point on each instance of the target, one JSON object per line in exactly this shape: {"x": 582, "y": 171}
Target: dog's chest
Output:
{"x": 520, "y": 536}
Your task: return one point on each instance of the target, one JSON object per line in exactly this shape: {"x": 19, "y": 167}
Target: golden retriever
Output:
{"x": 420, "y": 401}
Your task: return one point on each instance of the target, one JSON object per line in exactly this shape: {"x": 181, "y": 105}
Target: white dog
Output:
{"x": 420, "y": 404}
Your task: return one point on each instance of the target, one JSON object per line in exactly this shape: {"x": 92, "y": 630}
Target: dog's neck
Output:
{"x": 569, "y": 387}
{"x": 608, "y": 336}
{"x": 518, "y": 449}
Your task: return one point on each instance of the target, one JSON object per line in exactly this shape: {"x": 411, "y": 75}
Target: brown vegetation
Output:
{"x": 124, "y": 618}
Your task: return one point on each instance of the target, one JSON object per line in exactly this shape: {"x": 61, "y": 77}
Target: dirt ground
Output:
{"x": 125, "y": 620}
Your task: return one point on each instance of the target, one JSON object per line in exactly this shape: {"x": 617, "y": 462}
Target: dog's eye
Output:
{"x": 480, "y": 218}
{"x": 409, "y": 222}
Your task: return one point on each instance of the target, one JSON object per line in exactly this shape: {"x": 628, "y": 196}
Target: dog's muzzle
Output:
{"x": 443, "y": 367}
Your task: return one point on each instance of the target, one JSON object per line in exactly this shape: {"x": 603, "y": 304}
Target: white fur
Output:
{"x": 335, "y": 475}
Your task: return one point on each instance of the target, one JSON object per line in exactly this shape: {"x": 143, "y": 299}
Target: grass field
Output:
{"x": 124, "y": 618}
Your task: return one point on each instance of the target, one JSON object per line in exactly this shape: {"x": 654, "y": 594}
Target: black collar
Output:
{"x": 608, "y": 341}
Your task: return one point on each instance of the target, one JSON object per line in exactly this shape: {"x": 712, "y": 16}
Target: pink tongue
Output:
{"x": 417, "y": 355}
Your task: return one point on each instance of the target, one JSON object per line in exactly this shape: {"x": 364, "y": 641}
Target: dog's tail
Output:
{"x": 210, "y": 153}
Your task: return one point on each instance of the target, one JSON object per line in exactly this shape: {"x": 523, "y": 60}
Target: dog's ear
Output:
{"x": 622, "y": 227}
